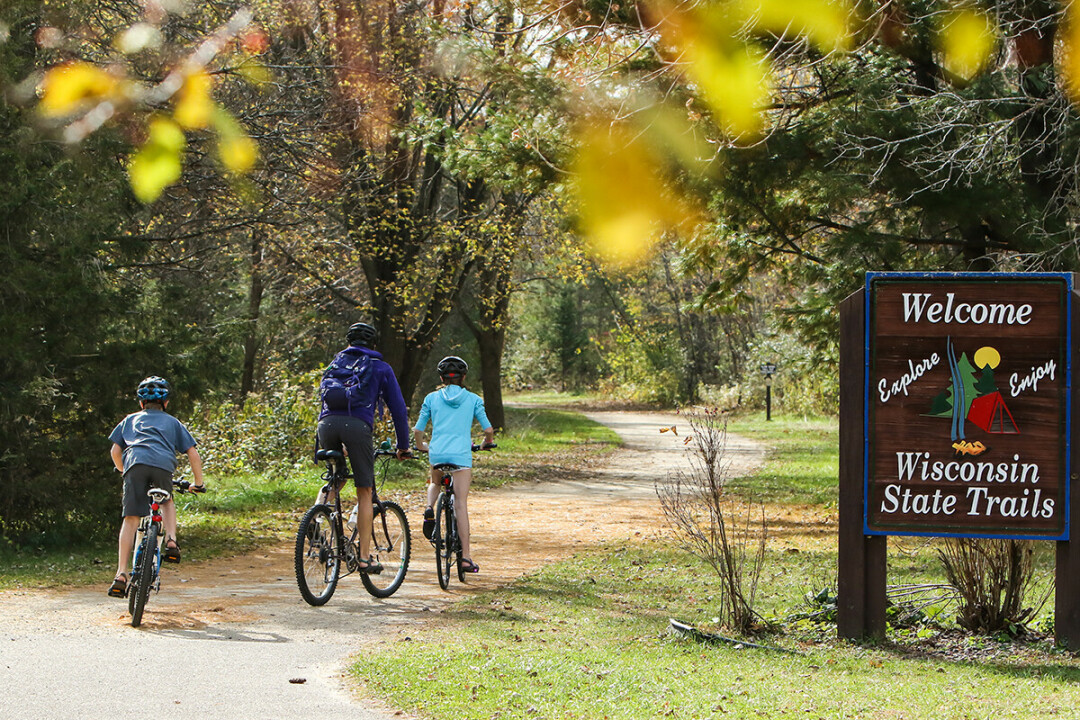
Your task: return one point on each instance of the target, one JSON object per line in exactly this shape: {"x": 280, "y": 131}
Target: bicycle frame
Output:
{"x": 145, "y": 575}
{"x": 445, "y": 538}
{"x": 158, "y": 498}
{"x": 323, "y": 549}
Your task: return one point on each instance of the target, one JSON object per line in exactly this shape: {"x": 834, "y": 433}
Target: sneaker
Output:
{"x": 429, "y": 523}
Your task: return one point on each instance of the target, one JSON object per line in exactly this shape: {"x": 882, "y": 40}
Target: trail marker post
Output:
{"x": 768, "y": 370}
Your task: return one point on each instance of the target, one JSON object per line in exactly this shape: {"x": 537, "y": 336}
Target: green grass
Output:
{"x": 804, "y": 472}
{"x": 245, "y": 512}
{"x": 588, "y": 637}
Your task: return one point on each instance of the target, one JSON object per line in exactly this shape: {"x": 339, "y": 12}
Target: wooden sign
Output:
{"x": 968, "y": 380}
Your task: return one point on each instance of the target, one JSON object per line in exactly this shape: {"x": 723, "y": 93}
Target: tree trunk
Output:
{"x": 255, "y": 295}
{"x": 491, "y": 344}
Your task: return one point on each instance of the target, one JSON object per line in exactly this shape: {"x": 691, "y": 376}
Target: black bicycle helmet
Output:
{"x": 452, "y": 367}
{"x": 153, "y": 388}
{"x": 362, "y": 335}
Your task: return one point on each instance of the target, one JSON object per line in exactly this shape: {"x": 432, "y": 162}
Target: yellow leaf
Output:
{"x": 1070, "y": 64}
{"x": 159, "y": 162}
{"x": 67, "y": 88}
{"x": 732, "y": 77}
{"x": 194, "y": 105}
{"x": 827, "y": 24}
{"x": 255, "y": 73}
{"x": 966, "y": 40}
{"x": 238, "y": 152}
{"x": 736, "y": 84}
{"x": 624, "y": 204}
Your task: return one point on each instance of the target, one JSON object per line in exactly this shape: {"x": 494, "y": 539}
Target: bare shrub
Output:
{"x": 993, "y": 579}
{"x": 726, "y": 532}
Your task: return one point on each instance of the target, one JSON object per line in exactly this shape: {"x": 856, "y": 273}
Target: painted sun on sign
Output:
{"x": 973, "y": 396}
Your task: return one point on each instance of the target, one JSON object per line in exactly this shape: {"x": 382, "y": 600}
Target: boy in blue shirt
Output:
{"x": 145, "y": 446}
{"x": 451, "y": 410}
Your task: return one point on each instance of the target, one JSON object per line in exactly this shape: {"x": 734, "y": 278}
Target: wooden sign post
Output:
{"x": 956, "y": 421}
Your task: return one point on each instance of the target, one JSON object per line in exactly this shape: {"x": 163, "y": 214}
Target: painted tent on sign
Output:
{"x": 991, "y": 414}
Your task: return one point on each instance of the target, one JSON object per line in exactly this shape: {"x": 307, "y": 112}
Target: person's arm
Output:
{"x": 400, "y": 414}
{"x": 481, "y": 417}
{"x": 419, "y": 430}
{"x": 195, "y": 460}
{"x": 117, "y": 454}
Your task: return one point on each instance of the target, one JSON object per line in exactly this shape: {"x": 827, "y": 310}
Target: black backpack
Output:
{"x": 347, "y": 384}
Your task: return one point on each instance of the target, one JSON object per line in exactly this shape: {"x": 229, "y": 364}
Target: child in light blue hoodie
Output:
{"x": 451, "y": 410}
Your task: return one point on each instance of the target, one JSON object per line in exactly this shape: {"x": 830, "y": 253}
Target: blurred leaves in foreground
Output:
{"x": 726, "y": 53}
{"x": 81, "y": 96}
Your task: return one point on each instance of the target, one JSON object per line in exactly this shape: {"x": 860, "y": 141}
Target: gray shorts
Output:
{"x": 137, "y": 482}
{"x": 337, "y": 431}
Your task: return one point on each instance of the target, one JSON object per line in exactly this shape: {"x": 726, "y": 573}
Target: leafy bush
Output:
{"x": 646, "y": 366}
{"x": 273, "y": 430}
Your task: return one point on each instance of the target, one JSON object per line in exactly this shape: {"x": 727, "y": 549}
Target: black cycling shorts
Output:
{"x": 337, "y": 431}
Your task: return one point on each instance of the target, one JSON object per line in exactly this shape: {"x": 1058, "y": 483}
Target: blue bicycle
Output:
{"x": 146, "y": 566}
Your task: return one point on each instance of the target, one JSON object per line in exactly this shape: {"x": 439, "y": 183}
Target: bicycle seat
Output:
{"x": 329, "y": 455}
{"x": 447, "y": 466}
{"x": 158, "y": 495}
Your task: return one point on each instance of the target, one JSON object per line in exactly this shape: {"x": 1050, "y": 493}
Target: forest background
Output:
{"x": 651, "y": 200}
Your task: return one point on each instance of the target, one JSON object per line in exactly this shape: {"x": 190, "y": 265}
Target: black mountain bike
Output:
{"x": 327, "y": 546}
{"x": 445, "y": 535}
{"x": 146, "y": 566}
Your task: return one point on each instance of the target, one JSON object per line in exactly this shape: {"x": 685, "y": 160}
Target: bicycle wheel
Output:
{"x": 443, "y": 537}
{"x": 391, "y": 544}
{"x": 143, "y": 576}
{"x": 133, "y": 577}
{"x": 317, "y": 562}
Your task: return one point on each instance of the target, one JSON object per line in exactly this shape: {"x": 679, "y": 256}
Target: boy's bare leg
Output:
{"x": 168, "y": 519}
{"x": 126, "y": 542}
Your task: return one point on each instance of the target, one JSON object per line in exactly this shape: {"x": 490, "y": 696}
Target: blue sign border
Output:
{"x": 871, "y": 276}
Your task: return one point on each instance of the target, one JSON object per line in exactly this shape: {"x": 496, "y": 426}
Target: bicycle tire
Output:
{"x": 391, "y": 545}
{"x": 133, "y": 577}
{"x": 317, "y": 560}
{"x": 145, "y": 575}
{"x": 443, "y": 537}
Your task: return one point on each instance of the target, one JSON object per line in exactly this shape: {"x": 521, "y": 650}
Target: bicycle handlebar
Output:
{"x": 485, "y": 446}
{"x": 186, "y": 486}
{"x": 379, "y": 452}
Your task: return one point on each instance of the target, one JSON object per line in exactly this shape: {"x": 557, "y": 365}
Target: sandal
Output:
{"x": 119, "y": 586}
{"x": 429, "y": 523}
{"x": 172, "y": 553}
{"x": 469, "y": 566}
{"x": 371, "y": 566}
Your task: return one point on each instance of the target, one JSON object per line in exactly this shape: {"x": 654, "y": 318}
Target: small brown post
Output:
{"x": 861, "y": 557}
{"x": 1067, "y": 570}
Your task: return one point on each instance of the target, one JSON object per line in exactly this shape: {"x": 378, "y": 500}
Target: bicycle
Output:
{"x": 146, "y": 564}
{"x": 325, "y": 543}
{"x": 445, "y": 535}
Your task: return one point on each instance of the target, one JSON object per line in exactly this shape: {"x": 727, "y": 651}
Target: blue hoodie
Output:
{"x": 452, "y": 410}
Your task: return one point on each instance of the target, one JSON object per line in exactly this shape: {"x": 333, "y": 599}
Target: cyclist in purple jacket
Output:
{"x": 351, "y": 427}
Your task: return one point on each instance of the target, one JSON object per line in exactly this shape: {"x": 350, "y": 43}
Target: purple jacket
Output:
{"x": 387, "y": 392}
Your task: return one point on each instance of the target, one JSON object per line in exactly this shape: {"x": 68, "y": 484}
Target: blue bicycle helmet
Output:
{"x": 153, "y": 388}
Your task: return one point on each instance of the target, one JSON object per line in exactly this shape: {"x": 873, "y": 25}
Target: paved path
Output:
{"x": 225, "y": 639}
